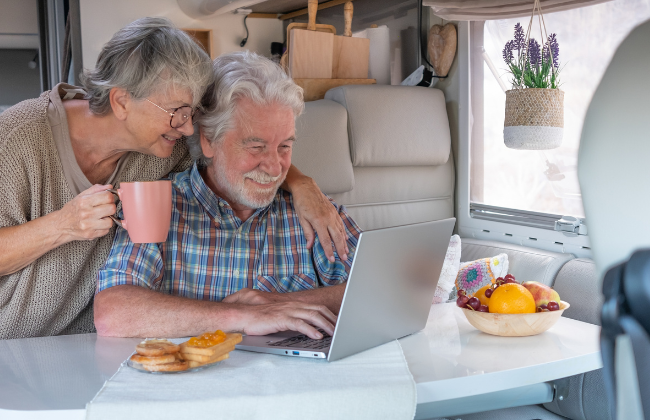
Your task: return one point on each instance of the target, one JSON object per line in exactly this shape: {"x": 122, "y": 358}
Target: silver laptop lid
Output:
{"x": 391, "y": 285}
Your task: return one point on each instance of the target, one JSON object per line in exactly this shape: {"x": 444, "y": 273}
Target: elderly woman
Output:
{"x": 60, "y": 153}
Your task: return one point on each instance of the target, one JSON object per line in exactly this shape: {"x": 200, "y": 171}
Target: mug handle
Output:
{"x": 120, "y": 222}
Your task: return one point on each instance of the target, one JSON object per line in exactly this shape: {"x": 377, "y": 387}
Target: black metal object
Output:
{"x": 44, "y": 48}
{"x": 626, "y": 310}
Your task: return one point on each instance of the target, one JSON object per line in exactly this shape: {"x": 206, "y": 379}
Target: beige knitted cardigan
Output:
{"x": 53, "y": 295}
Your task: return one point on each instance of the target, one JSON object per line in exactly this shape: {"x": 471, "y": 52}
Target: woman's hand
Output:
{"x": 316, "y": 213}
{"x": 85, "y": 217}
{"x": 82, "y": 218}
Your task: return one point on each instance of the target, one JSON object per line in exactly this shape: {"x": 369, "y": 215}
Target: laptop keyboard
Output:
{"x": 304, "y": 342}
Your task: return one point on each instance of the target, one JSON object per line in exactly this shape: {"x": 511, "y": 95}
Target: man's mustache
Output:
{"x": 261, "y": 176}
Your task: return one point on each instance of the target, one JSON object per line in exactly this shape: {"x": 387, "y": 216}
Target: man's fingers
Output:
{"x": 230, "y": 298}
{"x": 302, "y": 327}
{"x": 316, "y": 317}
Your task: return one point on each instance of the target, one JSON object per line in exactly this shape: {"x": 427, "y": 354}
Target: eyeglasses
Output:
{"x": 179, "y": 116}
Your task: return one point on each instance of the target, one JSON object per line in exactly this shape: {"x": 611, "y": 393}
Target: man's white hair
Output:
{"x": 242, "y": 75}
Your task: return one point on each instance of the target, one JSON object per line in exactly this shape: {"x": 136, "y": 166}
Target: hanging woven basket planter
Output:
{"x": 534, "y": 119}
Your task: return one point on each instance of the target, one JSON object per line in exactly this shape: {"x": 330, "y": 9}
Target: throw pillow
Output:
{"x": 449, "y": 271}
{"x": 475, "y": 274}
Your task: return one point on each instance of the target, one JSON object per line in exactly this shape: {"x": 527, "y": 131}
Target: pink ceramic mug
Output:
{"x": 147, "y": 208}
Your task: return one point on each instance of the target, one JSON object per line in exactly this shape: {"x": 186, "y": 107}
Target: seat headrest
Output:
{"x": 395, "y": 125}
{"x": 322, "y": 150}
{"x": 613, "y": 155}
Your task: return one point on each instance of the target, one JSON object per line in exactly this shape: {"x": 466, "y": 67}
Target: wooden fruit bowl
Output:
{"x": 514, "y": 325}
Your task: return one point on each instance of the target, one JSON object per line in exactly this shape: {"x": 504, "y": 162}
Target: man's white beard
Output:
{"x": 234, "y": 185}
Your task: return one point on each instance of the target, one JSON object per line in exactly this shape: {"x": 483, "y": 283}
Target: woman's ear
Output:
{"x": 120, "y": 102}
{"x": 206, "y": 146}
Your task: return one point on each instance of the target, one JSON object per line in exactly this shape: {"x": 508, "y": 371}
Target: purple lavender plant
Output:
{"x": 533, "y": 52}
{"x": 520, "y": 37}
{"x": 507, "y": 51}
{"x": 554, "y": 49}
{"x": 534, "y": 65}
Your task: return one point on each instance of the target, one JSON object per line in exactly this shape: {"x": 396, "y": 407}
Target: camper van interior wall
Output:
{"x": 534, "y": 117}
{"x": 442, "y": 48}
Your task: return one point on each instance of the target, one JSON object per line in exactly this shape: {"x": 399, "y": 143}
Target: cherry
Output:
{"x": 474, "y": 303}
{"x": 462, "y": 301}
{"x": 553, "y": 306}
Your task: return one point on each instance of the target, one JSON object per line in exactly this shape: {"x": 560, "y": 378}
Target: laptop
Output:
{"x": 388, "y": 294}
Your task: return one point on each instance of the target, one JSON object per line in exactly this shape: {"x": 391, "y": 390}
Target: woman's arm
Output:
{"x": 316, "y": 213}
{"x": 82, "y": 218}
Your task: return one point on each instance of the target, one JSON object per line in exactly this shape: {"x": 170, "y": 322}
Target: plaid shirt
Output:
{"x": 210, "y": 253}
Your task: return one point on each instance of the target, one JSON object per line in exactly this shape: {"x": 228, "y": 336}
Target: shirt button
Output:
{"x": 236, "y": 272}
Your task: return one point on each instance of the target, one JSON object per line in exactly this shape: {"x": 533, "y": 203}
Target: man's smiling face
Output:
{"x": 252, "y": 160}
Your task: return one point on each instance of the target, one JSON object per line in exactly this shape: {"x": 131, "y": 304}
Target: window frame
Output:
{"x": 480, "y": 228}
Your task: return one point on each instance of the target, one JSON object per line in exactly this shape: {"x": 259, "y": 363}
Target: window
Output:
{"x": 543, "y": 182}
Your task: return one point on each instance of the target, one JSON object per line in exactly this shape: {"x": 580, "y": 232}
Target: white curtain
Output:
{"x": 498, "y": 9}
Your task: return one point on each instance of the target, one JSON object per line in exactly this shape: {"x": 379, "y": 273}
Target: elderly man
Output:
{"x": 235, "y": 238}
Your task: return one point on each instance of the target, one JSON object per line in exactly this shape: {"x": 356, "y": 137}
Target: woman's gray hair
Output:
{"x": 143, "y": 57}
{"x": 237, "y": 76}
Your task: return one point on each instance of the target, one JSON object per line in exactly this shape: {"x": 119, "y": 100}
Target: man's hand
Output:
{"x": 315, "y": 212}
{"x": 286, "y": 316}
{"x": 256, "y": 297}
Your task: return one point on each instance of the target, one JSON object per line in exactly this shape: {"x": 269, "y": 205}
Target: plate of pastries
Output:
{"x": 163, "y": 356}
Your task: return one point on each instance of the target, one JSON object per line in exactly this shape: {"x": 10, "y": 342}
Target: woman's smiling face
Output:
{"x": 149, "y": 122}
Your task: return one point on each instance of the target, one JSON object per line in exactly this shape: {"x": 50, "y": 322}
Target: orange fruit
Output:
{"x": 512, "y": 298}
{"x": 480, "y": 294}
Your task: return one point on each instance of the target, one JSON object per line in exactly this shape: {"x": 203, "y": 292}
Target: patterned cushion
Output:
{"x": 475, "y": 274}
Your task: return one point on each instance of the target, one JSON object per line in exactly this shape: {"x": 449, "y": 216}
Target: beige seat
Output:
{"x": 398, "y": 169}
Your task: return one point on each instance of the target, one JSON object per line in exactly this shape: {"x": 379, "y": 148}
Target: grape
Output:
{"x": 461, "y": 292}
{"x": 483, "y": 308}
{"x": 543, "y": 306}
{"x": 488, "y": 293}
{"x": 509, "y": 276}
{"x": 462, "y": 301}
{"x": 510, "y": 280}
{"x": 553, "y": 306}
{"x": 474, "y": 302}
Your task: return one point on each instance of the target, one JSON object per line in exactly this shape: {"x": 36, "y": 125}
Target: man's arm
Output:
{"x": 331, "y": 297}
{"x": 127, "y": 303}
{"x": 134, "y": 311}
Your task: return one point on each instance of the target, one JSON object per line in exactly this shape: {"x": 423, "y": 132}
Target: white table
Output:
{"x": 457, "y": 368}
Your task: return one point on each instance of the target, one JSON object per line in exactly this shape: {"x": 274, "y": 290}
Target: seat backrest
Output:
{"x": 613, "y": 155}
{"x": 578, "y": 283}
{"x": 526, "y": 264}
{"x": 400, "y": 150}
